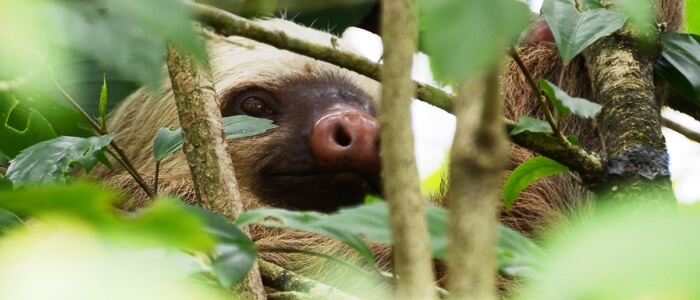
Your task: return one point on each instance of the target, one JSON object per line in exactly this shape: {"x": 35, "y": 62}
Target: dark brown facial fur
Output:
{"x": 328, "y": 157}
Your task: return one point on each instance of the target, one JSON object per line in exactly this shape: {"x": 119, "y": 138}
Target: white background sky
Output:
{"x": 434, "y": 128}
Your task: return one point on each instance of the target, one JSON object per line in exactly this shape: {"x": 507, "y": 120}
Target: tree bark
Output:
{"x": 206, "y": 149}
{"x": 412, "y": 257}
{"x": 622, "y": 75}
{"x": 479, "y": 154}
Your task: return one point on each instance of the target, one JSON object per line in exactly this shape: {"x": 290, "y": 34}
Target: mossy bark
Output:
{"x": 621, "y": 71}
{"x": 206, "y": 149}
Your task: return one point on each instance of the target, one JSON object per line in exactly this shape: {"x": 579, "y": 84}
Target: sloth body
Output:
{"x": 323, "y": 155}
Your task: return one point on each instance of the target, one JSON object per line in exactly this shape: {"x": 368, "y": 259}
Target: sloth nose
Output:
{"x": 347, "y": 140}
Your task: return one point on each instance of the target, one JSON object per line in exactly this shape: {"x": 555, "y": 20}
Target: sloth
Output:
{"x": 324, "y": 153}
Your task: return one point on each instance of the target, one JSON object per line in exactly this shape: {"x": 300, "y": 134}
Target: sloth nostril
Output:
{"x": 341, "y": 137}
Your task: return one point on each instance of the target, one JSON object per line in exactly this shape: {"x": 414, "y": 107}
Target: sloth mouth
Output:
{"x": 372, "y": 181}
{"x": 324, "y": 191}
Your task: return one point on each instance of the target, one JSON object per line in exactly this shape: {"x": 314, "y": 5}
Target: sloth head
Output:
{"x": 324, "y": 153}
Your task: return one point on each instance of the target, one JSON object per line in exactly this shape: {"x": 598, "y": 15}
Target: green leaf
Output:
{"x": 35, "y": 128}
{"x": 532, "y": 125}
{"x": 574, "y": 31}
{"x": 52, "y": 161}
{"x": 566, "y": 104}
{"x": 235, "y": 252}
{"x": 169, "y": 141}
{"x": 8, "y": 221}
{"x": 165, "y": 223}
{"x": 573, "y": 140}
{"x": 128, "y": 35}
{"x": 242, "y": 126}
{"x": 308, "y": 221}
{"x": 621, "y": 255}
{"x": 63, "y": 119}
{"x": 680, "y": 62}
{"x": 166, "y": 142}
{"x": 369, "y": 199}
{"x": 467, "y": 37}
{"x": 103, "y": 102}
{"x": 641, "y": 17}
{"x": 516, "y": 254}
{"x": 527, "y": 173}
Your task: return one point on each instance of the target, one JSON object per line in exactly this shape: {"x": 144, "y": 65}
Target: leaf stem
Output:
{"x": 123, "y": 159}
{"x": 155, "y": 180}
{"x": 541, "y": 98}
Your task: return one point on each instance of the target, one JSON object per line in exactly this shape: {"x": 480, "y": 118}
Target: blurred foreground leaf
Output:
{"x": 644, "y": 256}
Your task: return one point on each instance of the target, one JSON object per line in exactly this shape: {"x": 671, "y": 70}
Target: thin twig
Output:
{"x": 225, "y": 23}
{"x": 156, "y": 175}
{"x": 541, "y": 98}
{"x": 281, "y": 279}
{"x": 688, "y": 133}
{"x": 124, "y": 161}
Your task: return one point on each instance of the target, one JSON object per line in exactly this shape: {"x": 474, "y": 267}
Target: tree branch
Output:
{"x": 226, "y": 23}
{"x": 689, "y": 134}
{"x": 621, "y": 71}
{"x": 477, "y": 160}
{"x": 206, "y": 150}
{"x": 284, "y": 280}
{"x": 540, "y": 97}
{"x": 411, "y": 242}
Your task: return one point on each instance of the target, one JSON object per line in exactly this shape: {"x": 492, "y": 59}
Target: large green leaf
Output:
{"x": 622, "y": 256}
{"x": 527, "y": 173}
{"x": 467, "y": 37}
{"x": 64, "y": 120}
{"x": 165, "y": 223}
{"x": 515, "y": 253}
{"x": 532, "y": 125}
{"x": 52, "y": 161}
{"x": 574, "y": 31}
{"x": 234, "y": 254}
{"x": 128, "y": 35}
{"x": 169, "y": 141}
{"x": 28, "y": 131}
{"x": 566, "y": 104}
{"x": 679, "y": 64}
{"x": 307, "y": 221}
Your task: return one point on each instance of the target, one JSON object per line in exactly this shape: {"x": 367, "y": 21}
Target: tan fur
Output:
{"x": 137, "y": 119}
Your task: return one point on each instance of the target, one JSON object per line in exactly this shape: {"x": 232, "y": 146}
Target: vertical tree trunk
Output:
{"x": 206, "y": 149}
{"x": 622, "y": 75}
{"x": 412, "y": 258}
{"x": 479, "y": 154}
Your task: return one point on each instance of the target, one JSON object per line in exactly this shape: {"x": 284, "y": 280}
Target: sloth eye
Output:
{"x": 255, "y": 107}
{"x": 253, "y": 102}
